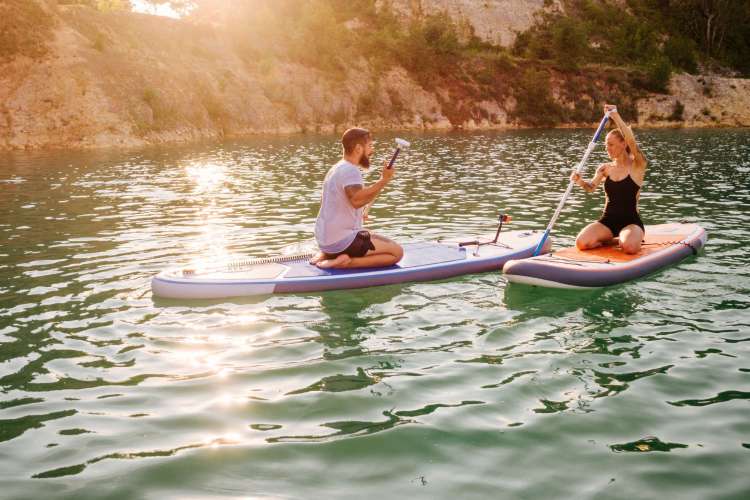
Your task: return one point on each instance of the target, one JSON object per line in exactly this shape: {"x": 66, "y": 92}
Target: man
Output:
{"x": 342, "y": 241}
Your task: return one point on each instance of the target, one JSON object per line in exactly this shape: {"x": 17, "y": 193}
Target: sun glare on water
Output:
{"x": 207, "y": 177}
{"x": 208, "y": 181}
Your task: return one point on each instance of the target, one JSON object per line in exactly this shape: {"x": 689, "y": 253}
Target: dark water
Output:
{"x": 466, "y": 388}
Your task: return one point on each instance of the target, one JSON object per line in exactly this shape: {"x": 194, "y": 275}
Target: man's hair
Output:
{"x": 352, "y": 137}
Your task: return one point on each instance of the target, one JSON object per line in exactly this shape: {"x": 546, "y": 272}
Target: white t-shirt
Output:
{"x": 338, "y": 221}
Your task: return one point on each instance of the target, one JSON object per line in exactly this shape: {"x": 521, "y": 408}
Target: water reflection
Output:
{"x": 469, "y": 374}
{"x": 348, "y": 321}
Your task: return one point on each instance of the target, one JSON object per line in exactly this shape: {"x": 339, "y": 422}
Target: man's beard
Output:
{"x": 364, "y": 161}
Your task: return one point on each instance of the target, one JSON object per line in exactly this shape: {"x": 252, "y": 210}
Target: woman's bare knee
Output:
{"x": 631, "y": 247}
{"x": 586, "y": 242}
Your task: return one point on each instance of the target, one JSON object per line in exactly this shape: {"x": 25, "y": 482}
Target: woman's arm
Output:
{"x": 627, "y": 134}
{"x": 590, "y": 186}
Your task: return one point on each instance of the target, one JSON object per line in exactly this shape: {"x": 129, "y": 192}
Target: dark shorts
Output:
{"x": 359, "y": 247}
{"x": 617, "y": 222}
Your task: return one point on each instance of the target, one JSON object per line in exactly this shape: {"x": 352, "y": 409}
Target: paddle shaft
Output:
{"x": 393, "y": 158}
{"x": 390, "y": 165}
{"x": 579, "y": 168}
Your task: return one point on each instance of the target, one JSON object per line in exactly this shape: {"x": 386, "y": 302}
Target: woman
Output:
{"x": 623, "y": 178}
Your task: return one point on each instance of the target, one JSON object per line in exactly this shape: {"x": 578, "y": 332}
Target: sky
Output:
{"x": 162, "y": 10}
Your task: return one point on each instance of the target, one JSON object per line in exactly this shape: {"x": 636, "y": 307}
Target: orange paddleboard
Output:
{"x": 663, "y": 245}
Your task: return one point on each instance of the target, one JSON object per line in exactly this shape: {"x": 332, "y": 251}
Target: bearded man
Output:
{"x": 341, "y": 238}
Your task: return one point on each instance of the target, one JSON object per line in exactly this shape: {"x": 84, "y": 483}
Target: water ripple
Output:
{"x": 466, "y": 388}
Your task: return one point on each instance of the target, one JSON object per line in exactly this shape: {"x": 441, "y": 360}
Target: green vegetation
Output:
{"x": 25, "y": 28}
{"x": 576, "y": 55}
{"x": 534, "y": 103}
{"x": 653, "y": 36}
{"x": 677, "y": 112}
{"x": 103, "y": 5}
{"x": 163, "y": 116}
{"x": 331, "y": 34}
{"x": 658, "y": 72}
{"x": 634, "y": 33}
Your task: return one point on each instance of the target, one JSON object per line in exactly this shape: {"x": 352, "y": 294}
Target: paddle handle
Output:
{"x": 393, "y": 158}
{"x": 390, "y": 165}
{"x": 579, "y": 168}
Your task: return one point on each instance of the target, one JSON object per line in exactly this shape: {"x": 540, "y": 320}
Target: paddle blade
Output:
{"x": 542, "y": 241}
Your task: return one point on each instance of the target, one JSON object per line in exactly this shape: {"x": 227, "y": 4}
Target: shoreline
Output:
{"x": 209, "y": 141}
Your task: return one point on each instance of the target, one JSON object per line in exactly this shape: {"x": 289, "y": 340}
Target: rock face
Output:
{"x": 123, "y": 79}
{"x": 699, "y": 101}
{"x": 495, "y": 21}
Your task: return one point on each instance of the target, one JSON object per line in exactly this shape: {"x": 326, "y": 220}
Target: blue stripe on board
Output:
{"x": 415, "y": 255}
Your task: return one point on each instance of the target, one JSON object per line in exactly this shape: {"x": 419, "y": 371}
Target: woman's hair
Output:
{"x": 619, "y": 135}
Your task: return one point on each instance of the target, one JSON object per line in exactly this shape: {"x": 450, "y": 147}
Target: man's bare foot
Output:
{"x": 318, "y": 257}
{"x": 342, "y": 260}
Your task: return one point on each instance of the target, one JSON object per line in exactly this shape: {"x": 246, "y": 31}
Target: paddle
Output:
{"x": 579, "y": 168}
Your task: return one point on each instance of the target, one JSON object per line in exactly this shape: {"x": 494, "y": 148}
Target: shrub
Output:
{"x": 521, "y": 43}
{"x": 100, "y": 42}
{"x": 112, "y": 5}
{"x": 25, "y": 29}
{"x": 658, "y": 73}
{"x": 150, "y": 97}
{"x": 633, "y": 41}
{"x": 569, "y": 43}
{"x": 534, "y": 102}
{"x": 677, "y": 112}
{"x": 681, "y": 53}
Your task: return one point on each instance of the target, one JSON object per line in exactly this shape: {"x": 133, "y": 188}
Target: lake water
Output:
{"x": 463, "y": 388}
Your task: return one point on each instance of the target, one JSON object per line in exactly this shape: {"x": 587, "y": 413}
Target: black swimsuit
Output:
{"x": 621, "y": 208}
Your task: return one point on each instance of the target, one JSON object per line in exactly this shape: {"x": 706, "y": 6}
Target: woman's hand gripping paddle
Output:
{"x": 400, "y": 144}
{"x": 578, "y": 169}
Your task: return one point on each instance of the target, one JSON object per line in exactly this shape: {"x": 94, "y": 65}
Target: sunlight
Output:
{"x": 208, "y": 177}
{"x": 154, "y": 10}
{"x": 209, "y": 251}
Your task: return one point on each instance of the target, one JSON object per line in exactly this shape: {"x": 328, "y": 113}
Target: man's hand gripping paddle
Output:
{"x": 400, "y": 145}
{"x": 578, "y": 169}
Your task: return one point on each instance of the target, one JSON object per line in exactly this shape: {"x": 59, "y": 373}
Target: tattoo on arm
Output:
{"x": 600, "y": 174}
{"x": 352, "y": 190}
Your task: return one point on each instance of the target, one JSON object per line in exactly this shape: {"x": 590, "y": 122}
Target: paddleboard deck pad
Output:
{"x": 663, "y": 245}
{"x": 422, "y": 261}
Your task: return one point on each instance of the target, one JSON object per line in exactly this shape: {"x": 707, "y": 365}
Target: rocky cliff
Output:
{"x": 698, "y": 101}
{"x": 124, "y": 79}
{"x": 495, "y": 21}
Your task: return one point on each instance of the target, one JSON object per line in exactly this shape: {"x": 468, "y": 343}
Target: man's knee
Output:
{"x": 398, "y": 252}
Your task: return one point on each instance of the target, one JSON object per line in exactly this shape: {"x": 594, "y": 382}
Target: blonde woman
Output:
{"x": 623, "y": 178}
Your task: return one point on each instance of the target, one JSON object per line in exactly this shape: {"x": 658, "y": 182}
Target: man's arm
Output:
{"x": 360, "y": 196}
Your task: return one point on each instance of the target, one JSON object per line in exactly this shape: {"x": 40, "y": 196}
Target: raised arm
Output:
{"x": 627, "y": 134}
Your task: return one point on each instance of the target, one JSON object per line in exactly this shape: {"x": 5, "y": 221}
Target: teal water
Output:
{"x": 464, "y": 388}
